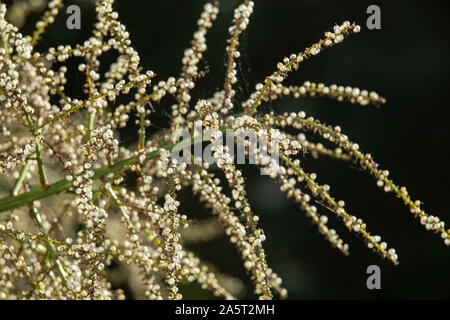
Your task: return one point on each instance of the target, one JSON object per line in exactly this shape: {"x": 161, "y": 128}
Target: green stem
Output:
{"x": 20, "y": 179}
{"x": 142, "y": 132}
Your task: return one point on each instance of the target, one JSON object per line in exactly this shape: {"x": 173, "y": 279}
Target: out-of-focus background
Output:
{"x": 406, "y": 61}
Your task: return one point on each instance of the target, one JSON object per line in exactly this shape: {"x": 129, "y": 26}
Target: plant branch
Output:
{"x": 13, "y": 202}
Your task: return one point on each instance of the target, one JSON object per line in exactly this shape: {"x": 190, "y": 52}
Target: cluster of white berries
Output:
{"x": 322, "y": 192}
{"x": 208, "y": 187}
{"x": 288, "y": 185}
{"x": 74, "y": 280}
{"x": 194, "y": 54}
{"x": 366, "y": 162}
{"x": 121, "y": 203}
{"x": 258, "y": 265}
{"x": 194, "y": 269}
{"x": 317, "y": 149}
{"x": 17, "y": 157}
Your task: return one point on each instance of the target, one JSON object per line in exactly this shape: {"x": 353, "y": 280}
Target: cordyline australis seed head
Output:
{"x": 147, "y": 232}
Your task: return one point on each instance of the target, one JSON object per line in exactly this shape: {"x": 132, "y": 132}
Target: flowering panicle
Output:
{"x": 192, "y": 57}
{"x": 211, "y": 193}
{"x": 118, "y": 204}
{"x": 47, "y": 19}
{"x": 334, "y": 135}
{"x": 240, "y": 23}
{"x": 294, "y": 60}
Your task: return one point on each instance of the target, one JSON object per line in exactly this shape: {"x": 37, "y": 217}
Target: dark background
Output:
{"x": 406, "y": 62}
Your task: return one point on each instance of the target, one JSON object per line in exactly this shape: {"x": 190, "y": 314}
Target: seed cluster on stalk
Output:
{"x": 83, "y": 201}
